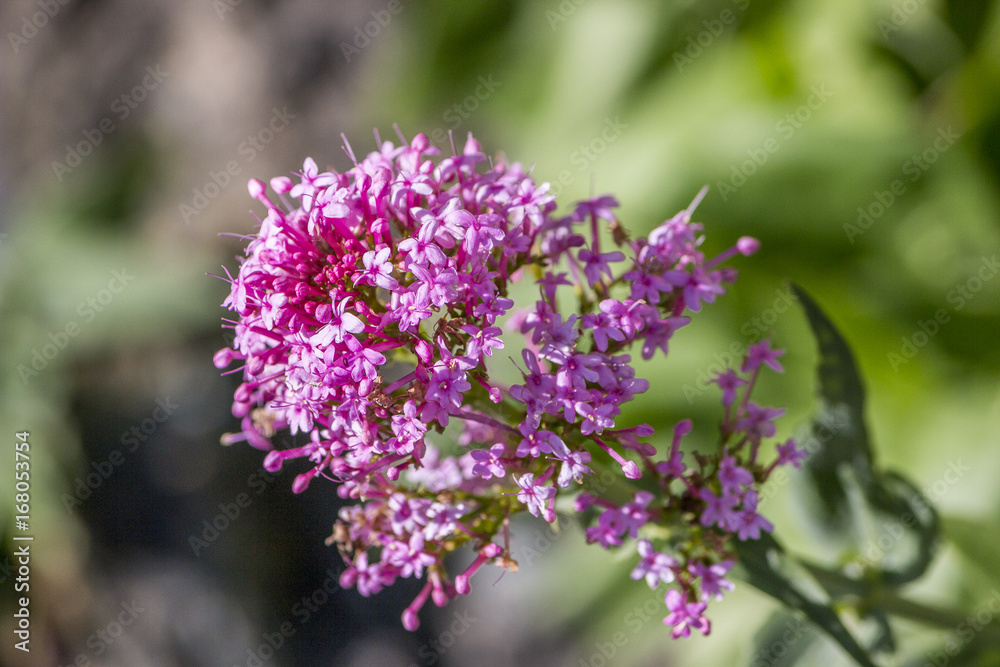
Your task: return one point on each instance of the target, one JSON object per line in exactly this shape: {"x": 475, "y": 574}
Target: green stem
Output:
{"x": 943, "y": 618}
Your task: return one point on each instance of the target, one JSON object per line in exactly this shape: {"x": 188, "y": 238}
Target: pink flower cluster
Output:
{"x": 369, "y": 313}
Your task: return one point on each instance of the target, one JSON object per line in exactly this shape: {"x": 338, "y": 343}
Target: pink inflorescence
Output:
{"x": 370, "y": 312}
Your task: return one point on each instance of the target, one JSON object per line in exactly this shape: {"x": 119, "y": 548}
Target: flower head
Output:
{"x": 369, "y": 308}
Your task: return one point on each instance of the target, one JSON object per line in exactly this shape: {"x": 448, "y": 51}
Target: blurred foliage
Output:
{"x": 646, "y": 100}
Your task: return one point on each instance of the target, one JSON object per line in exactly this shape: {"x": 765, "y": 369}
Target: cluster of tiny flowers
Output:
{"x": 369, "y": 312}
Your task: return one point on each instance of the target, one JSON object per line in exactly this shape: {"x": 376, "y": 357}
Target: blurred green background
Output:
{"x": 859, "y": 140}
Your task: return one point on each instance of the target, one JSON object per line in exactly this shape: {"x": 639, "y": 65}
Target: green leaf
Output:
{"x": 767, "y": 568}
{"x": 840, "y": 383}
{"x": 910, "y": 522}
{"x": 783, "y": 640}
{"x": 879, "y": 517}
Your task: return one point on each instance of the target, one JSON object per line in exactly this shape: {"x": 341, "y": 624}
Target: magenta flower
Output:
{"x": 597, "y": 264}
{"x": 340, "y": 322}
{"x": 634, "y": 515}
{"x": 672, "y": 467}
{"x": 574, "y": 468}
{"x": 421, "y": 250}
{"x": 759, "y": 422}
{"x": 732, "y": 476}
{"x": 559, "y": 338}
{"x": 608, "y": 532}
{"x": 482, "y": 342}
{"x": 790, "y": 453}
{"x": 378, "y": 269}
{"x": 408, "y": 429}
{"x": 370, "y": 579}
{"x": 748, "y": 523}
{"x": 595, "y": 420}
{"x": 488, "y": 462}
{"x": 409, "y": 557}
{"x": 728, "y": 381}
{"x": 648, "y": 286}
{"x": 761, "y": 353}
{"x": 654, "y": 566}
{"x": 447, "y": 383}
{"x": 599, "y": 207}
{"x": 408, "y": 514}
{"x": 550, "y": 282}
{"x": 534, "y": 495}
{"x": 412, "y": 307}
{"x": 712, "y": 578}
{"x": 604, "y": 327}
{"x": 719, "y": 510}
{"x": 658, "y": 334}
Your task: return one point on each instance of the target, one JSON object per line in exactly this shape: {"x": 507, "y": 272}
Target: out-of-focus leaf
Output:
{"x": 838, "y": 431}
{"x": 911, "y": 523}
{"x": 968, "y": 536}
{"x": 968, "y": 19}
{"x": 770, "y": 570}
{"x": 782, "y": 641}
{"x": 880, "y": 517}
{"x": 953, "y": 653}
{"x": 884, "y": 641}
